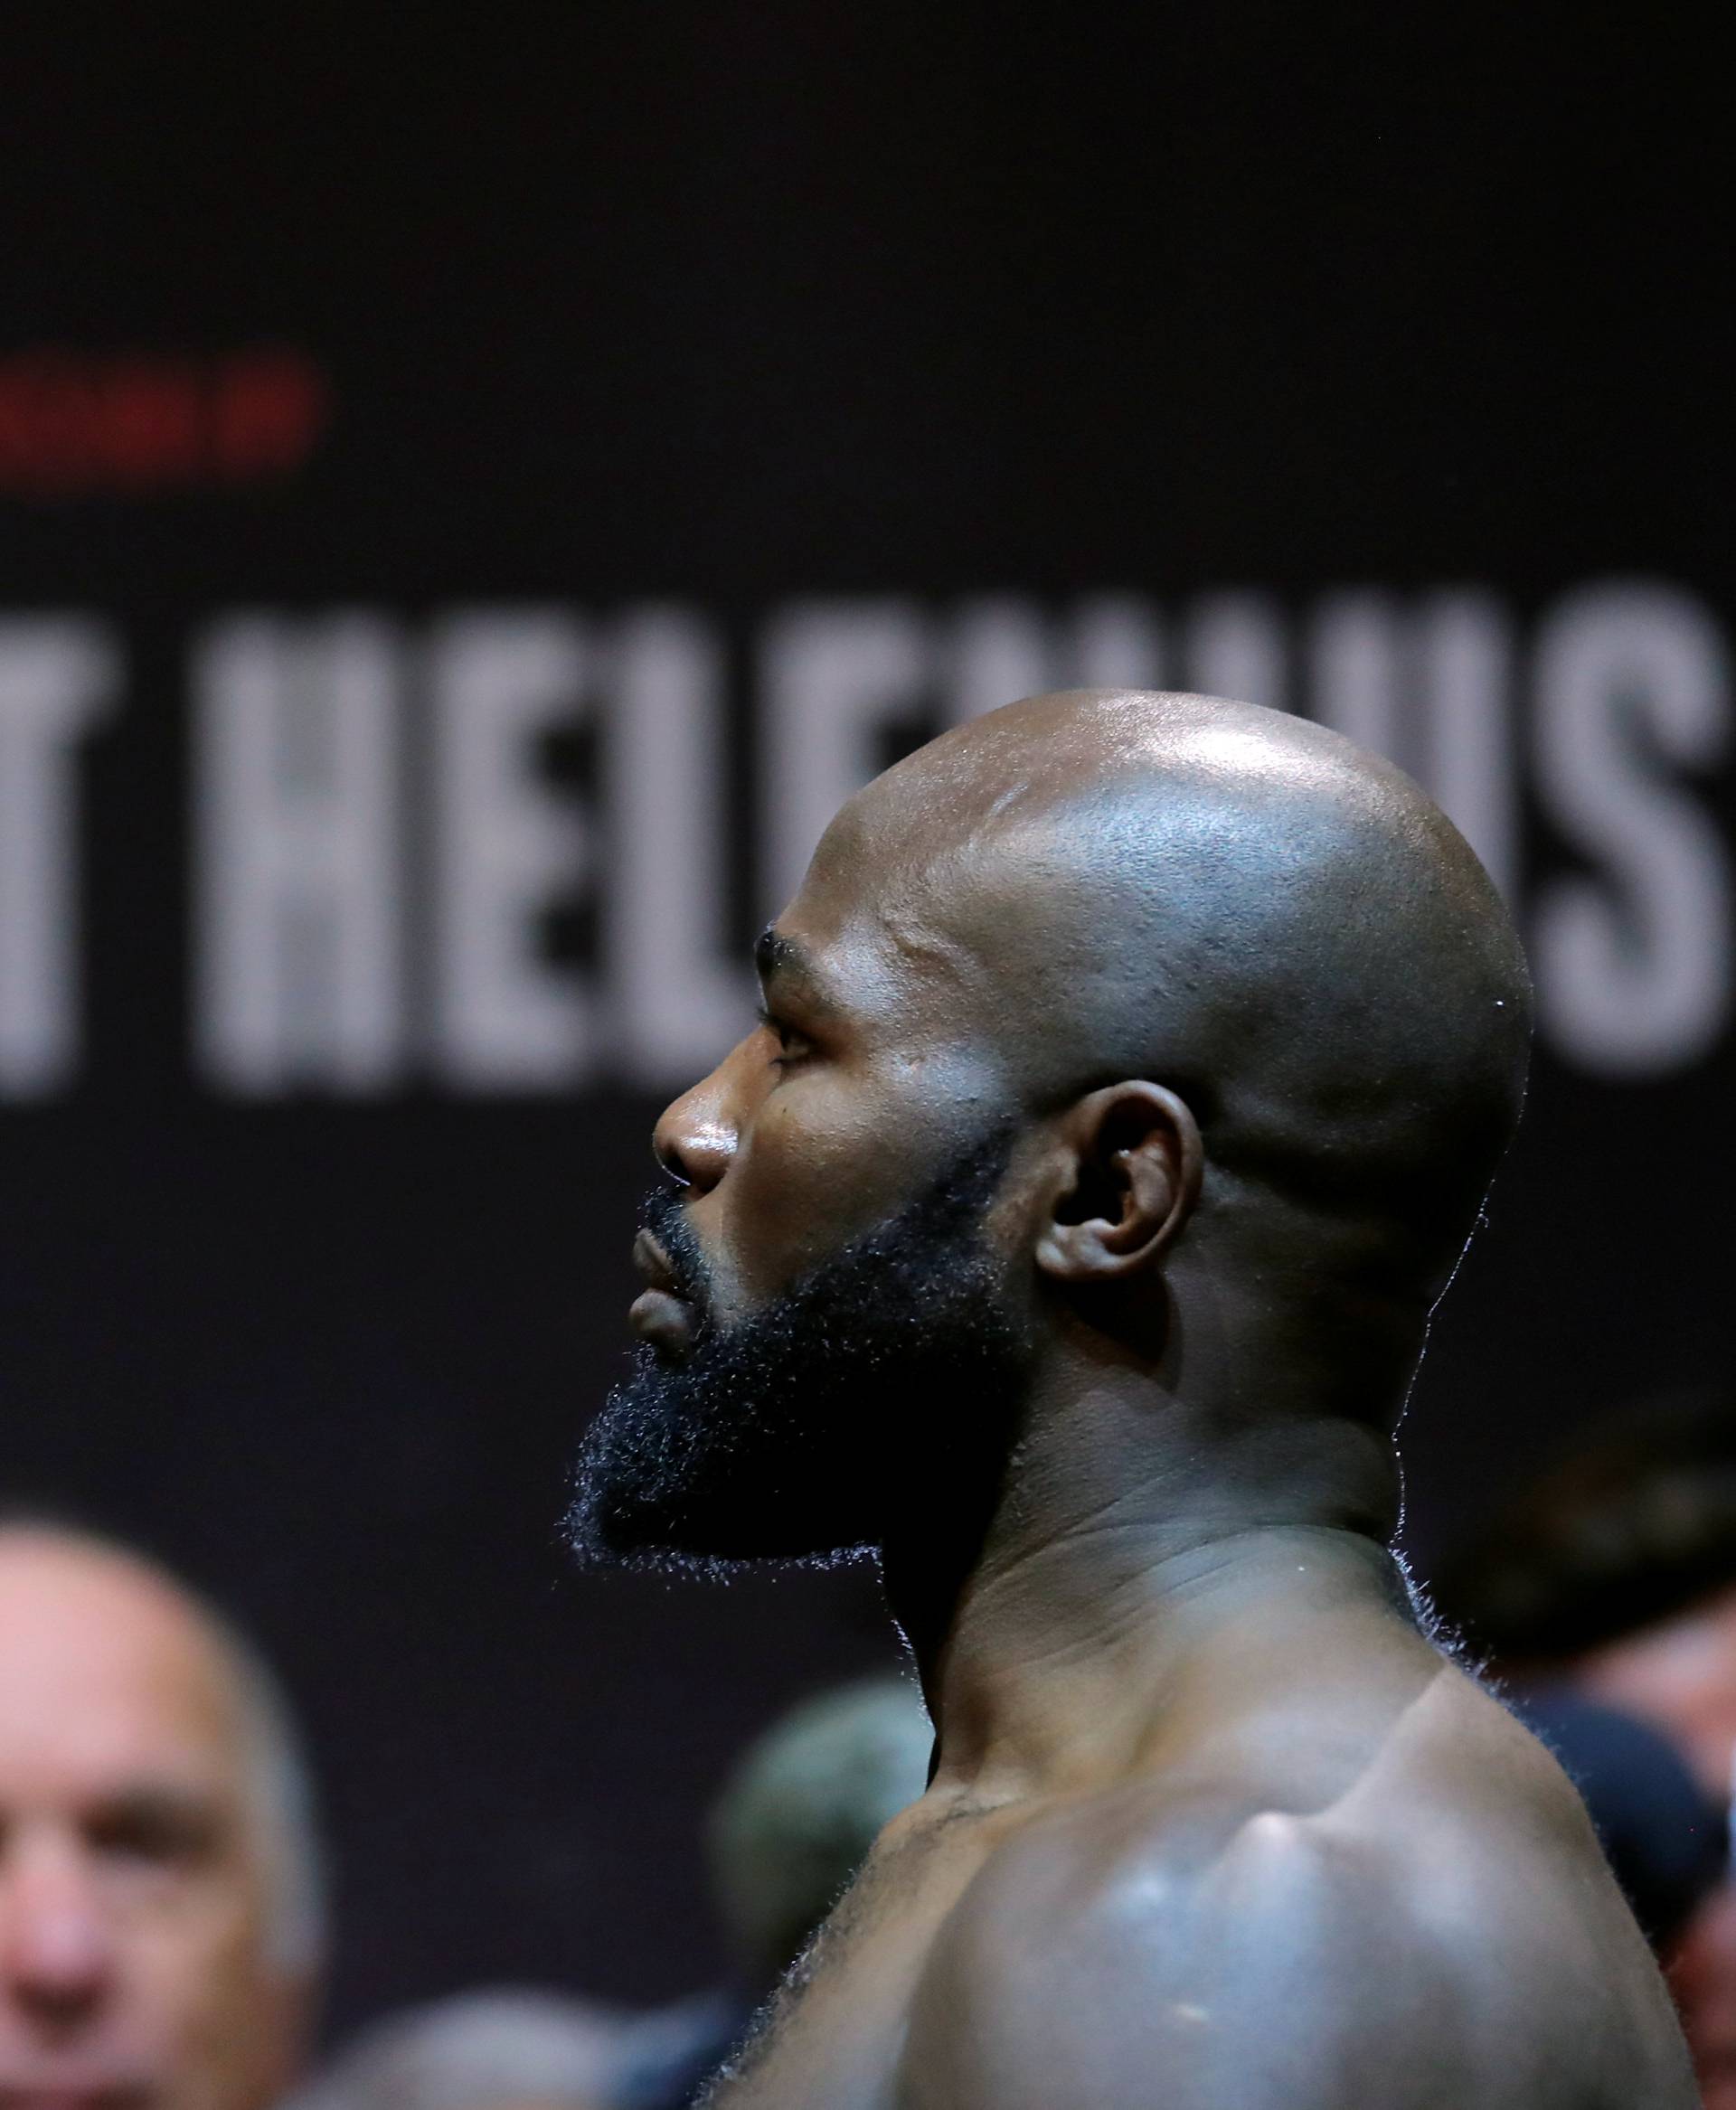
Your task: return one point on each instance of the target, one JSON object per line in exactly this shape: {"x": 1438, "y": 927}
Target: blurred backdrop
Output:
{"x": 478, "y": 489}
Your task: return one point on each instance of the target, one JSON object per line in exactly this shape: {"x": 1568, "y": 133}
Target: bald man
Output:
{"x": 1131, "y": 1072}
{"x": 159, "y": 1931}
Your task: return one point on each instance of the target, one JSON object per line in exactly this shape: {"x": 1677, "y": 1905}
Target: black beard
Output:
{"x": 813, "y": 1427}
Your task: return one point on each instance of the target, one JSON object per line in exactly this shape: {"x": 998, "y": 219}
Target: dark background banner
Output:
{"x": 472, "y": 492}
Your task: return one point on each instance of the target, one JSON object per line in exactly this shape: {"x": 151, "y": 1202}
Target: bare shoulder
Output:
{"x": 1442, "y": 1934}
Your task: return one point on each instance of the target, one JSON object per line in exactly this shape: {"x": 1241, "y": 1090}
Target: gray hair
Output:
{"x": 284, "y": 1804}
{"x": 279, "y": 1787}
{"x": 476, "y": 2049}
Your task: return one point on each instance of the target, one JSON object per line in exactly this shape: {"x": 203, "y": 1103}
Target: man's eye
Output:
{"x": 166, "y": 1834}
{"x": 792, "y": 1046}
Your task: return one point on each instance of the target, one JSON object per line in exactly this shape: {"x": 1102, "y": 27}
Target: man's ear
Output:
{"x": 1129, "y": 1177}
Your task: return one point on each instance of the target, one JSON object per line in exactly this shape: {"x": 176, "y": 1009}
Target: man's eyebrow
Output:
{"x": 164, "y": 1815}
{"x": 778, "y": 957}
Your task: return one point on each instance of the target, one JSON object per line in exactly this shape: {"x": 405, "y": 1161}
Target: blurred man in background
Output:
{"x": 800, "y": 1811}
{"x": 160, "y": 1927}
{"x": 797, "y": 1818}
{"x": 502, "y": 2049}
{"x": 1614, "y": 1572}
{"x": 794, "y": 1822}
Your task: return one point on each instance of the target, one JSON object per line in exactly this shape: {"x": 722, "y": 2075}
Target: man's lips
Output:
{"x": 653, "y": 1263}
{"x": 660, "y": 1315}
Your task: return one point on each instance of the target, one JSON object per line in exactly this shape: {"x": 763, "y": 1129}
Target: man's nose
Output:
{"x": 57, "y": 1953}
{"x": 695, "y": 1137}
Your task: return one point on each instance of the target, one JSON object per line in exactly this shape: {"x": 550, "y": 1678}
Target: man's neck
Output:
{"x": 1131, "y": 1556}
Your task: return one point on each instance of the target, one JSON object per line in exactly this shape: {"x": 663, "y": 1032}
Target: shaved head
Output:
{"x": 1113, "y": 1027}
{"x": 1239, "y": 904}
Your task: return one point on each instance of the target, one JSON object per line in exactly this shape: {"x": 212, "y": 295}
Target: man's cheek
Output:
{"x": 808, "y": 1180}
{"x": 782, "y": 1222}
{"x": 209, "y": 1997}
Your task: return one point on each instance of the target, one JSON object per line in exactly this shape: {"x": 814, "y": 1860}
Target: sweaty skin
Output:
{"x": 1214, "y": 1825}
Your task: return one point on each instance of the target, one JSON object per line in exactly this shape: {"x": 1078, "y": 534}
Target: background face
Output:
{"x": 477, "y": 498}
{"x": 135, "y": 1908}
